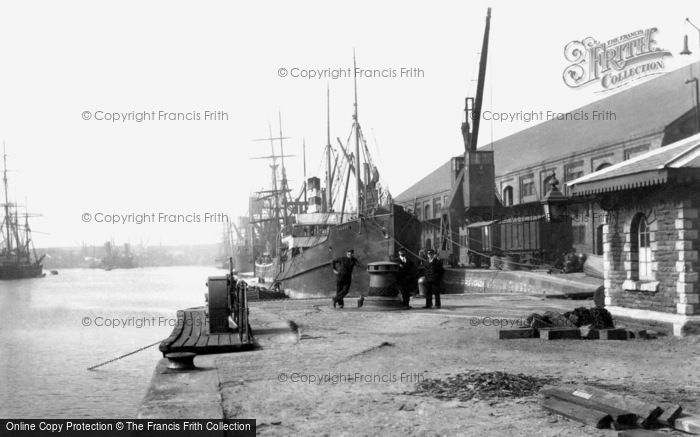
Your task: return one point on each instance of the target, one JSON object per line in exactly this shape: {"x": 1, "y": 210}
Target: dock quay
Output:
{"x": 354, "y": 372}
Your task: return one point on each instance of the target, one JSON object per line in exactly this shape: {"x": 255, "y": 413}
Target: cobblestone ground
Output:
{"x": 350, "y": 351}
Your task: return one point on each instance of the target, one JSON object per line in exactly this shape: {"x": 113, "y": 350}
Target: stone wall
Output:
{"x": 672, "y": 217}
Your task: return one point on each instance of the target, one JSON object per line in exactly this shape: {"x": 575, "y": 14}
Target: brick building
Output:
{"x": 612, "y": 130}
{"x": 651, "y": 222}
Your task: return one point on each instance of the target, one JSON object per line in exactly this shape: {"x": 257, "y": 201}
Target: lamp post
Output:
{"x": 554, "y": 202}
{"x": 686, "y": 52}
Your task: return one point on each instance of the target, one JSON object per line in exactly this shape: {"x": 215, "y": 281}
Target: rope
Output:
{"x": 124, "y": 356}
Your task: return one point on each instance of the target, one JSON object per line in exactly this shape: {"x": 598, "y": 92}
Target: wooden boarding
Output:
{"x": 646, "y": 412}
{"x": 591, "y": 417}
{"x": 670, "y": 414}
{"x": 618, "y": 415}
{"x": 688, "y": 423}
{"x": 191, "y": 334}
{"x": 612, "y": 334}
{"x": 560, "y": 333}
{"x": 640, "y": 433}
{"x": 509, "y": 334}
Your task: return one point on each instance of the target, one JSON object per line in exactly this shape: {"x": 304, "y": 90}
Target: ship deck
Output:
{"x": 191, "y": 334}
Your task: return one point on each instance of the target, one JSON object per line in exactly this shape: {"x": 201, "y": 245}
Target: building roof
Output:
{"x": 436, "y": 182}
{"x": 641, "y": 110}
{"x": 680, "y": 160}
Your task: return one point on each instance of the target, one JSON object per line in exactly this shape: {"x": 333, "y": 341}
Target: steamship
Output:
{"x": 296, "y": 239}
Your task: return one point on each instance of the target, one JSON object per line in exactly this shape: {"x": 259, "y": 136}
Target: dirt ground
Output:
{"x": 350, "y": 372}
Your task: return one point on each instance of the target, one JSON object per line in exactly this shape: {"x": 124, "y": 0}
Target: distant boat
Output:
{"x": 18, "y": 258}
{"x": 115, "y": 258}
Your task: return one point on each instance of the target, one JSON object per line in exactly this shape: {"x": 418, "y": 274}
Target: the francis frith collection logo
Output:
{"x": 613, "y": 63}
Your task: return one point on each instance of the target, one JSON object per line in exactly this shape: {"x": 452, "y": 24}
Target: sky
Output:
{"x": 66, "y": 61}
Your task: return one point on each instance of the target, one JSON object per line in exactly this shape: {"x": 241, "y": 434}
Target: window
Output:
{"x": 508, "y": 196}
{"x": 573, "y": 171}
{"x": 427, "y": 212}
{"x": 635, "y": 151}
{"x": 438, "y": 207}
{"x": 603, "y": 165}
{"x": 644, "y": 251}
{"x": 527, "y": 187}
{"x": 641, "y": 248}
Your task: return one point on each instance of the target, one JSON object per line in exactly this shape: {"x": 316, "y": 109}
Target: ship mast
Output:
{"x": 8, "y": 238}
{"x": 329, "y": 176}
{"x": 274, "y": 181}
{"x": 357, "y": 140}
{"x": 303, "y": 149}
{"x": 284, "y": 172}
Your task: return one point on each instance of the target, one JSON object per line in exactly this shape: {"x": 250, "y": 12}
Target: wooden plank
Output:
{"x": 648, "y": 413}
{"x": 595, "y": 418}
{"x": 640, "y": 433}
{"x": 618, "y": 415}
{"x": 196, "y": 331}
{"x": 688, "y": 423}
{"x": 176, "y": 332}
{"x": 213, "y": 340}
{"x": 612, "y": 334}
{"x": 186, "y": 330}
{"x": 560, "y": 333}
{"x": 670, "y": 414}
{"x": 509, "y": 334}
{"x": 202, "y": 342}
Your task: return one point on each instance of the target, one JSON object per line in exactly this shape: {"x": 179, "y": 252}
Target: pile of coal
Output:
{"x": 482, "y": 385}
{"x": 596, "y": 318}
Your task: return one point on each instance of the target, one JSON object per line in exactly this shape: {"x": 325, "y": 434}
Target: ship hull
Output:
{"x": 21, "y": 271}
{"x": 374, "y": 238}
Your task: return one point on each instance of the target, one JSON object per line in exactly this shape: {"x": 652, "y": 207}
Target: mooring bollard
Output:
{"x": 181, "y": 360}
{"x": 382, "y": 285}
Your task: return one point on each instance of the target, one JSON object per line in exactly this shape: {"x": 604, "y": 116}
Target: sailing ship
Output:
{"x": 296, "y": 239}
{"x": 18, "y": 257}
{"x": 235, "y": 246}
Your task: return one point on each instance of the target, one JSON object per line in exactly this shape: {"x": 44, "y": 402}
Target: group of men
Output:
{"x": 406, "y": 280}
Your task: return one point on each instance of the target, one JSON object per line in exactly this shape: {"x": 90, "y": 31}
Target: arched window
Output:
{"x": 428, "y": 244}
{"x": 603, "y": 165}
{"x": 508, "y": 196}
{"x": 640, "y": 248}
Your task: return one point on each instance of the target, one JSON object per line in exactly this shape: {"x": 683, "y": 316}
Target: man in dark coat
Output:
{"x": 433, "y": 277}
{"x": 342, "y": 268}
{"x": 406, "y": 277}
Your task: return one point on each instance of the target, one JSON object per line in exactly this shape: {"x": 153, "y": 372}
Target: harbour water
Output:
{"x": 52, "y": 329}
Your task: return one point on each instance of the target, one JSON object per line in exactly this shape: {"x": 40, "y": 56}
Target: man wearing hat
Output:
{"x": 406, "y": 277}
{"x": 433, "y": 276}
{"x": 342, "y": 268}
